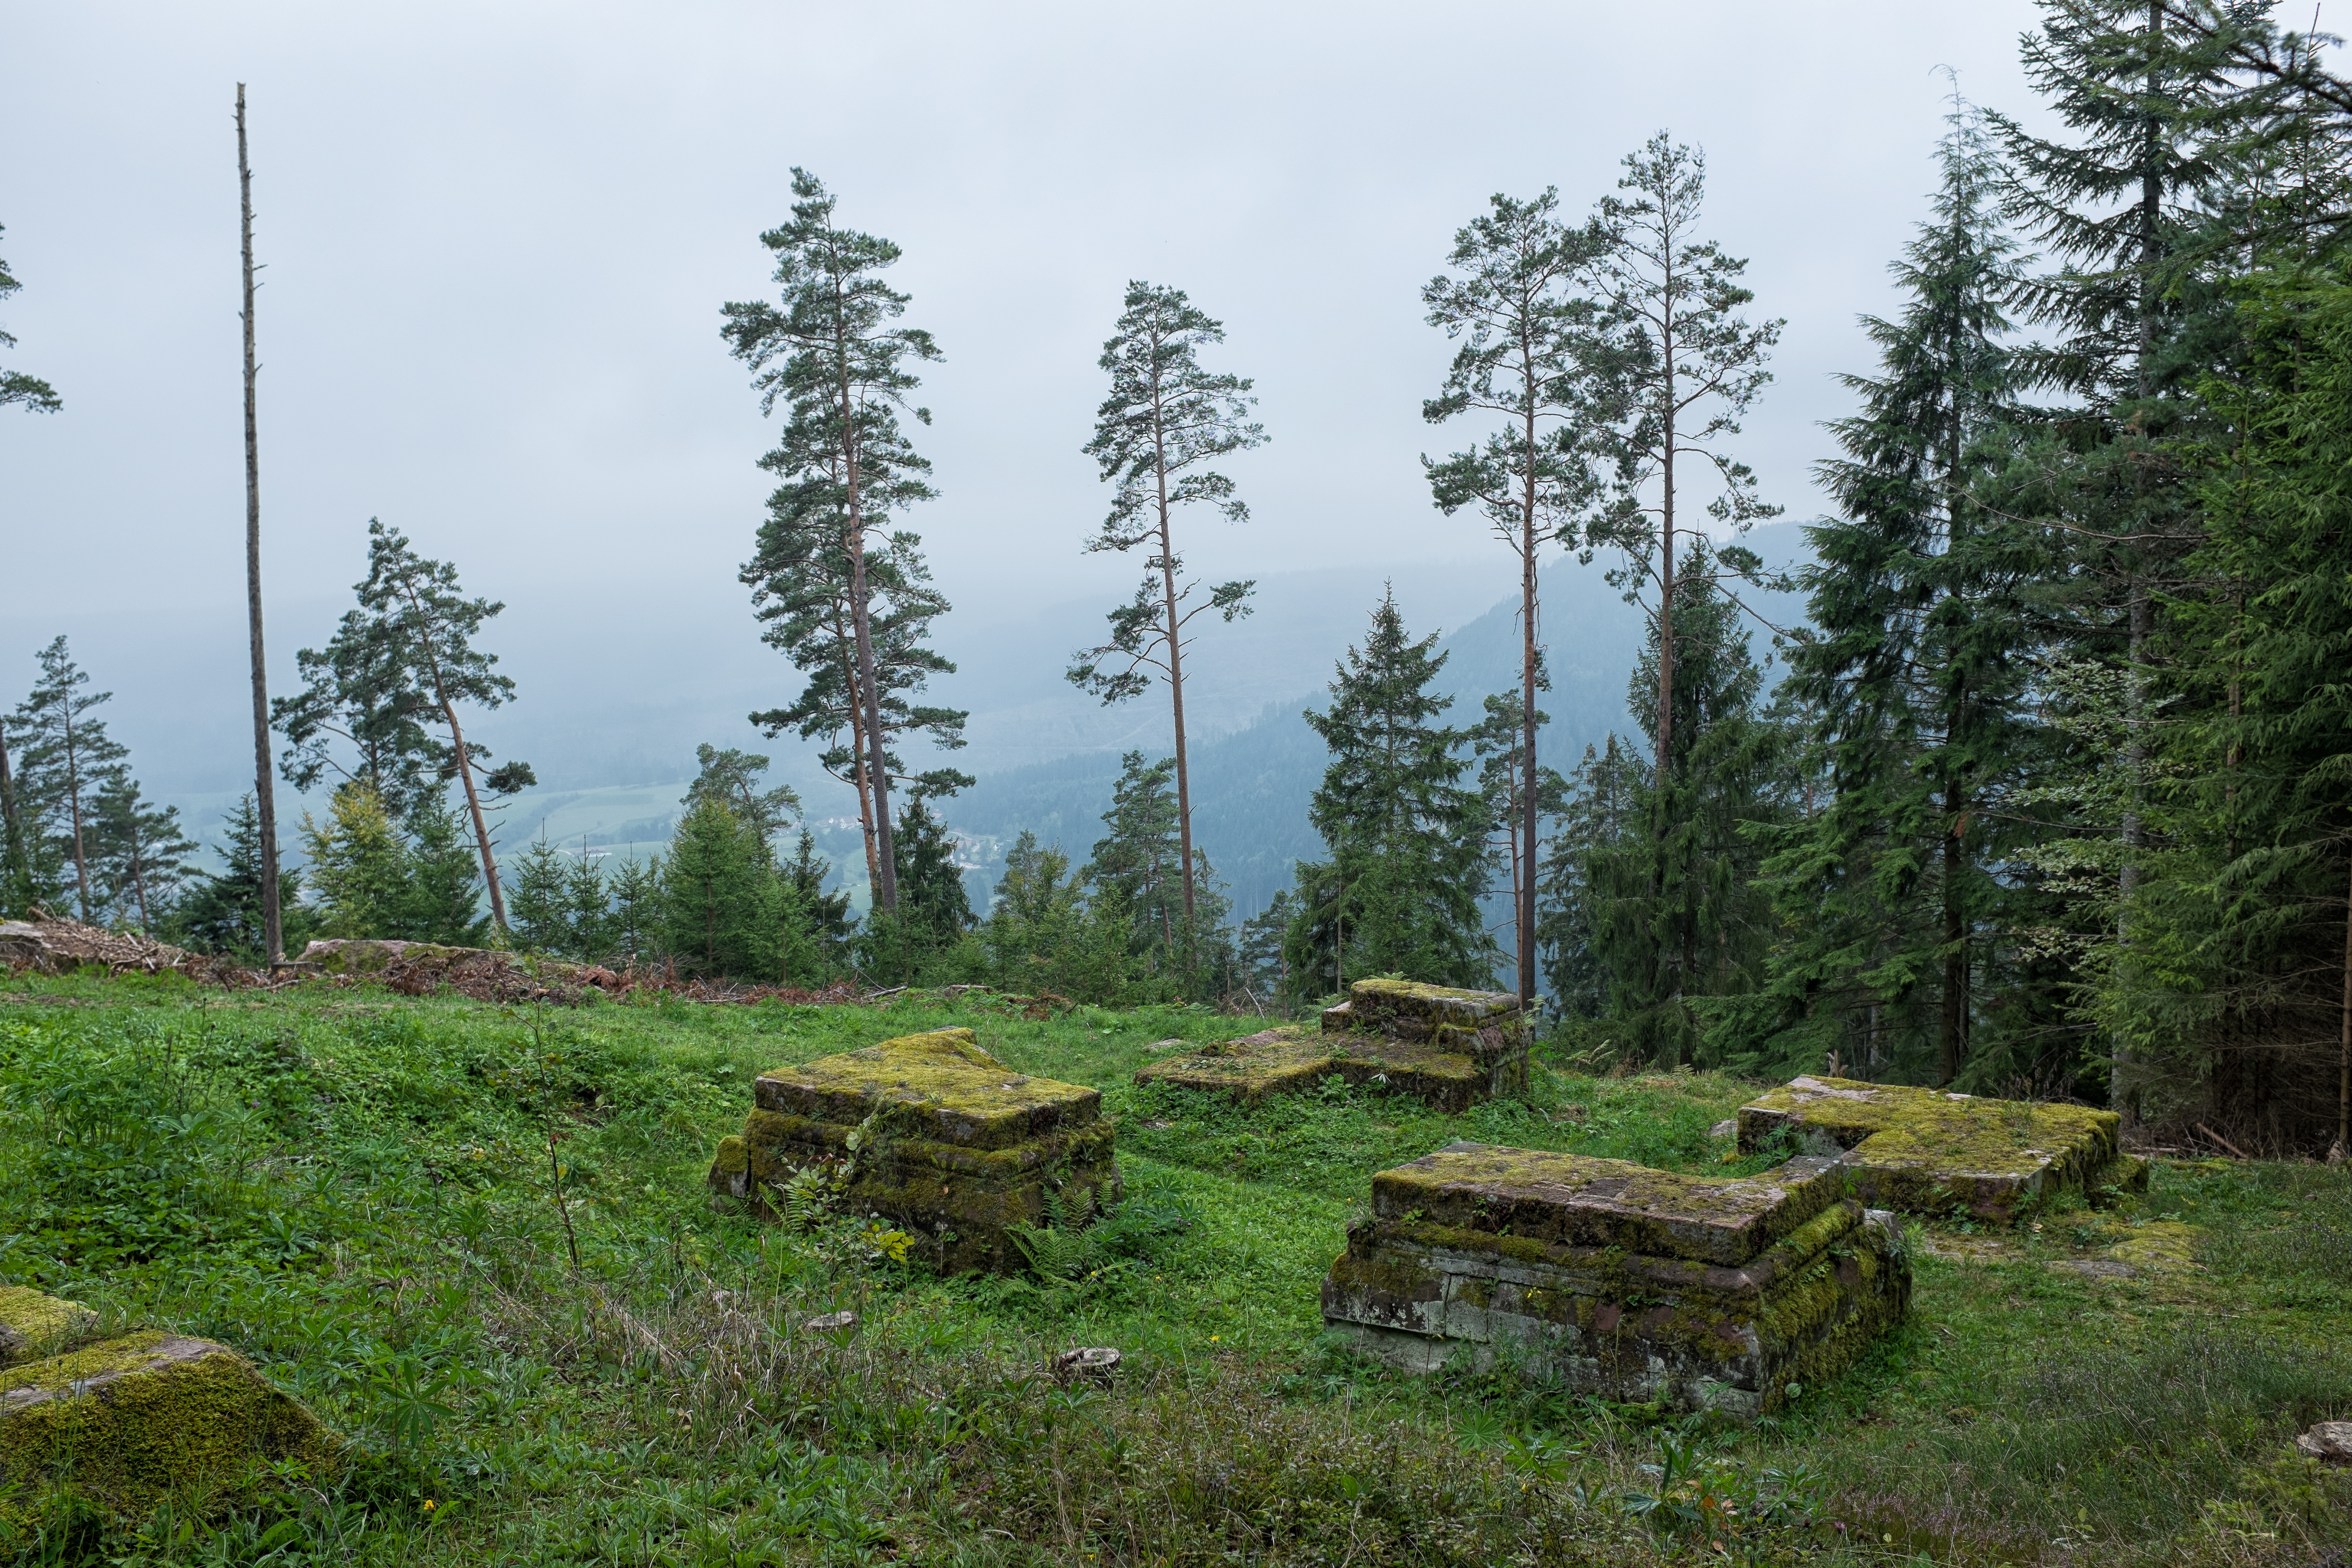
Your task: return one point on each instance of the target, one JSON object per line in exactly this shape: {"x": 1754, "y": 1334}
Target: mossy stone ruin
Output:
{"x": 1632, "y": 1284}
{"x": 929, "y": 1131}
{"x": 138, "y": 1419}
{"x": 1449, "y": 1047}
{"x": 1931, "y": 1152}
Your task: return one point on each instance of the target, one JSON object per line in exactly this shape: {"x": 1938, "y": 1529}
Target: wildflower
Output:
{"x": 429, "y": 1505}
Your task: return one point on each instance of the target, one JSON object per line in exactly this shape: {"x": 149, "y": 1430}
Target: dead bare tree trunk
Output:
{"x": 264, "y": 798}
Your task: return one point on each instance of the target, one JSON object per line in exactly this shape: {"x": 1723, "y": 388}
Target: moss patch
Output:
{"x": 151, "y": 1416}
{"x": 1287, "y": 1061}
{"x": 939, "y": 1086}
{"x": 33, "y": 1325}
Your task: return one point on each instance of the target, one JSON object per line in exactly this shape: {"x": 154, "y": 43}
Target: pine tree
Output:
{"x": 16, "y": 388}
{"x": 364, "y": 691}
{"x": 411, "y": 640}
{"x": 1165, "y": 420}
{"x": 1260, "y": 949}
{"x": 1530, "y": 362}
{"x": 222, "y": 910}
{"x": 141, "y": 853}
{"x": 359, "y": 866}
{"x": 732, "y": 778}
{"x": 67, "y": 756}
{"x": 1688, "y": 367}
{"x": 835, "y": 360}
{"x": 801, "y": 576}
{"x": 1400, "y": 891}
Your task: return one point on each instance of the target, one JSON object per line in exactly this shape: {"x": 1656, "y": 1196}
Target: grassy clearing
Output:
{"x": 360, "y": 1190}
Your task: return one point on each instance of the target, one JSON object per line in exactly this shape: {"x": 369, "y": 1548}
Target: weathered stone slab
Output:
{"x": 1933, "y": 1152}
{"x": 150, "y": 1416}
{"x": 931, "y": 1132}
{"x": 1449, "y": 1048}
{"x": 1630, "y": 1283}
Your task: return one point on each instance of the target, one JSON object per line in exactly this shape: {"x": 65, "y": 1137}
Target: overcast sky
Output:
{"x": 497, "y": 237}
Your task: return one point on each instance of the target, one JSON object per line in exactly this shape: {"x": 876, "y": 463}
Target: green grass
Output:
{"x": 357, "y": 1190}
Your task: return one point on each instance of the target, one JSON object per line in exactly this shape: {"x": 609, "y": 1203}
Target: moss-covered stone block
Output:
{"x": 151, "y": 1415}
{"x": 1629, "y": 1283}
{"x": 367, "y": 955}
{"x": 1446, "y": 1047}
{"x": 1934, "y": 1152}
{"x": 33, "y": 1325}
{"x": 931, "y": 1132}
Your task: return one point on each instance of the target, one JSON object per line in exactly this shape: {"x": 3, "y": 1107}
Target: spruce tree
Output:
{"x": 16, "y": 388}
{"x": 1918, "y": 665}
{"x": 67, "y": 757}
{"x": 1688, "y": 366}
{"x": 588, "y": 906}
{"x": 1598, "y": 807}
{"x": 1679, "y": 922}
{"x": 931, "y": 897}
{"x": 830, "y": 921}
{"x": 541, "y": 905}
{"x": 1166, "y": 419}
{"x": 1531, "y": 363}
{"x": 637, "y": 889}
{"x": 443, "y": 901}
{"x": 359, "y": 866}
{"x": 1140, "y": 860}
{"x": 222, "y": 910}
{"x": 726, "y": 913}
{"x": 1406, "y": 836}
{"x": 833, "y": 356}
{"x": 26, "y": 878}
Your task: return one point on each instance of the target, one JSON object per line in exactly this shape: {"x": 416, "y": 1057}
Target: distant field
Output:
{"x": 359, "y": 1190}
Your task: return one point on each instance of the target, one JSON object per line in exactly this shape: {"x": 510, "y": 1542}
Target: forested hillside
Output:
{"x": 2013, "y": 758}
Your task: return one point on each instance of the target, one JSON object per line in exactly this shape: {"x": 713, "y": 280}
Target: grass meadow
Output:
{"x": 477, "y": 1239}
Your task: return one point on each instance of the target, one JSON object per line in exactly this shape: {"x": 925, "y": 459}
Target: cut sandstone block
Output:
{"x": 1450, "y": 1048}
{"x": 931, "y": 1132}
{"x": 1632, "y": 1284}
{"x": 150, "y": 1416}
{"x": 1932, "y": 1151}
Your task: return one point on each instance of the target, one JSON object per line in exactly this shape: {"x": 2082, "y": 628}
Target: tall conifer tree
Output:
{"x": 834, "y": 357}
{"x": 1167, "y": 418}
{"x": 1529, "y": 364}
{"x": 1407, "y": 867}
{"x": 1690, "y": 366}
{"x": 1919, "y": 660}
